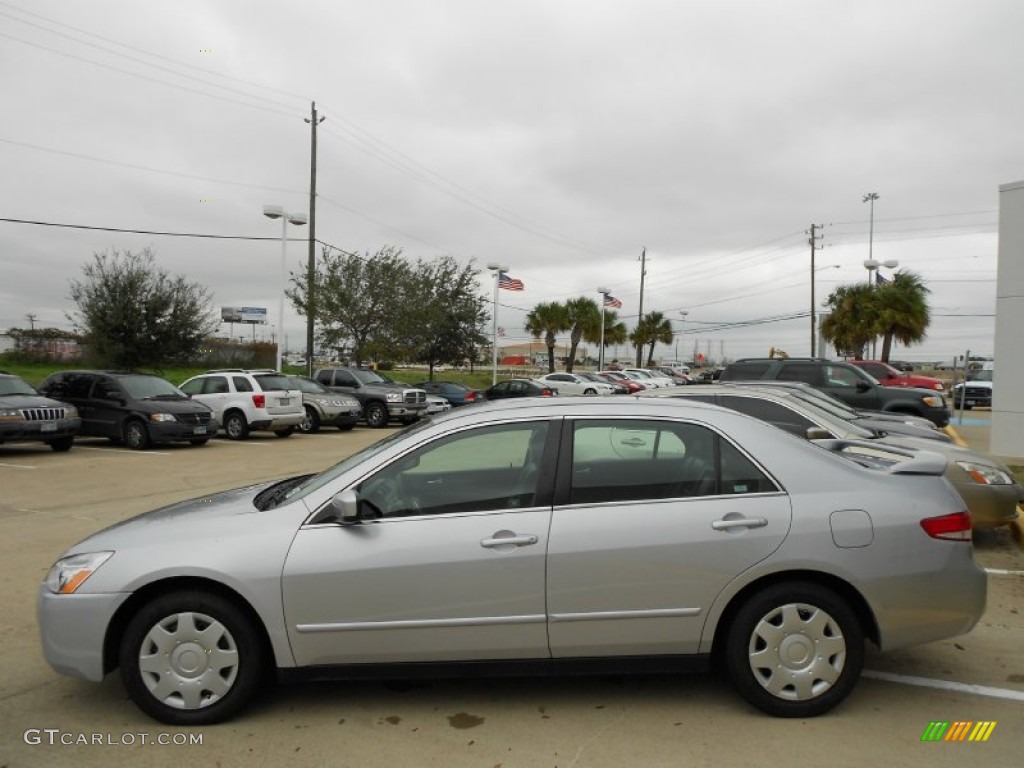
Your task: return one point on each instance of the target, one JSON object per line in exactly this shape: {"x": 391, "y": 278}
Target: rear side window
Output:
{"x": 269, "y": 381}
{"x": 242, "y": 384}
{"x": 809, "y": 373}
{"x": 768, "y": 411}
{"x": 324, "y": 377}
{"x": 77, "y": 386}
{"x": 217, "y": 385}
{"x": 745, "y": 371}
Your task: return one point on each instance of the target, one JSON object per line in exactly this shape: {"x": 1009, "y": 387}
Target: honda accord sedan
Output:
{"x": 533, "y": 535}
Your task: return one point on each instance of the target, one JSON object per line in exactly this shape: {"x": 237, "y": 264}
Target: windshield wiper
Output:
{"x": 272, "y": 496}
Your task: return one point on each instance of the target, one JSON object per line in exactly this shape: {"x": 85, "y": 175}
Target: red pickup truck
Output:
{"x": 891, "y": 377}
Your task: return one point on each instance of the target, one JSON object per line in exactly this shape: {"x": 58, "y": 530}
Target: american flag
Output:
{"x": 881, "y": 279}
{"x": 509, "y": 283}
{"x": 501, "y": 332}
{"x": 611, "y": 301}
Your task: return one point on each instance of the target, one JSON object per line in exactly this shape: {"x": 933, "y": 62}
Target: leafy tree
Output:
{"x": 548, "y": 319}
{"x": 584, "y": 317}
{"x": 903, "y": 312}
{"x": 653, "y": 328}
{"x": 135, "y": 314}
{"x": 852, "y": 319}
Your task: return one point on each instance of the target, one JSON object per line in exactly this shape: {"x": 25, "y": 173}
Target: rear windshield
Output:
{"x": 272, "y": 381}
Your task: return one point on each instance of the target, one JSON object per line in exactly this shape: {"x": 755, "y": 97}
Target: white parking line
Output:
{"x": 17, "y": 466}
{"x": 120, "y": 450}
{"x": 946, "y": 685}
{"x": 1002, "y": 572}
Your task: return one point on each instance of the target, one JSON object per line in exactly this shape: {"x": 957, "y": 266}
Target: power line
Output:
{"x": 145, "y": 231}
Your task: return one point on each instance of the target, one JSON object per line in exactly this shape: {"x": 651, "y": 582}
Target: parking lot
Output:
{"x": 48, "y": 501}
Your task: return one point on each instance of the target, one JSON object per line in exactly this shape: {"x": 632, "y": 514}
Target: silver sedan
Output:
{"x": 533, "y": 535}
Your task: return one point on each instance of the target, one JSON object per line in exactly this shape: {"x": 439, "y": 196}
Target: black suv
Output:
{"x": 846, "y": 382}
{"x": 25, "y": 415}
{"x": 136, "y": 408}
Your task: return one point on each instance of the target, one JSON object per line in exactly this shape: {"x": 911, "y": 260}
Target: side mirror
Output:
{"x": 344, "y": 507}
{"x": 818, "y": 433}
{"x": 863, "y": 386}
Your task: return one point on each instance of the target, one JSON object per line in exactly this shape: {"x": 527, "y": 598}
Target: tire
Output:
{"x": 235, "y": 426}
{"x": 345, "y": 427}
{"x": 794, "y": 650}
{"x": 589, "y": 391}
{"x": 200, "y": 441}
{"x": 310, "y": 423}
{"x": 288, "y": 432}
{"x": 376, "y": 415}
{"x": 191, "y": 658}
{"x": 61, "y": 444}
{"x": 136, "y": 436}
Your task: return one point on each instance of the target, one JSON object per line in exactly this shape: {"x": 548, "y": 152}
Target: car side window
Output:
{"x": 769, "y": 411}
{"x": 106, "y": 390}
{"x": 241, "y": 383}
{"x": 631, "y": 460}
{"x": 77, "y": 386}
{"x": 483, "y": 469}
{"x": 345, "y": 379}
{"x": 838, "y": 376}
{"x": 325, "y": 377}
{"x": 215, "y": 385}
{"x": 192, "y": 387}
{"x": 740, "y": 474}
{"x": 809, "y": 373}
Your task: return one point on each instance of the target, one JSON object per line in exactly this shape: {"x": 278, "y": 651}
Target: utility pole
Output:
{"x": 31, "y": 320}
{"x": 813, "y": 240}
{"x": 311, "y": 261}
{"x": 640, "y": 317}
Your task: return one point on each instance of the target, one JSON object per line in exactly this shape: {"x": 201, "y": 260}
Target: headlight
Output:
{"x": 985, "y": 474}
{"x": 394, "y": 397}
{"x": 70, "y": 412}
{"x": 11, "y": 414}
{"x": 69, "y": 573}
{"x": 934, "y": 401}
{"x": 161, "y": 417}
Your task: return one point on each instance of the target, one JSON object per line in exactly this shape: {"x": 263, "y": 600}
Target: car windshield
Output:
{"x": 983, "y": 376}
{"x": 307, "y": 385}
{"x": 314, "y": 482}
{"x": 839, "y": 426}
{"x": 12, "y": 385}
{"x": 825, "y": 402}
{"x": 150, "y": 388}
{"x": 272, "y": 381}
{"x": 368, "y": 377}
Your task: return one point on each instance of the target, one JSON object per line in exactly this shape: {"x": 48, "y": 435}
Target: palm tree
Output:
{"x": 585, "y": 323}
{"x": 903, "y": 312}
{"x": 852, "y": 320}
{"x": 548, "y": 319}
{"x": 653, "y": 327}
{"x": 614, "y": 330}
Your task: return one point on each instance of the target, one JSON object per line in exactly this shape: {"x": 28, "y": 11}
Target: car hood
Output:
{"x": 184, "y": 519}
{"x": 30, "y": 401}
{"x": 951, "y": 451}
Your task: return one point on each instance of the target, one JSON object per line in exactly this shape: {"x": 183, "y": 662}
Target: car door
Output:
{"x": 447, "y": 565}
{"x": 852, "y": 386}
{"x": 108, "y": 407}
{"x": 652, "y": 519}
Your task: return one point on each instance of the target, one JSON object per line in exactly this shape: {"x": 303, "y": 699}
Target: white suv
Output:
{"x": 246, "y": 400}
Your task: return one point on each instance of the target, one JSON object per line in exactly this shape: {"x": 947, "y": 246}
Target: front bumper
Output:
{"x": 73, "y": 629}
{"x": 169, "y": 431}
{"x": 405, "y": 411}
{"x": 17, "y": 431}
{"x": 341, "y": 416}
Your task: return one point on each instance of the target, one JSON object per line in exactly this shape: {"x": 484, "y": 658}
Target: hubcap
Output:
{"x": 188, "y": 660}
{"x": 797, "y": 651}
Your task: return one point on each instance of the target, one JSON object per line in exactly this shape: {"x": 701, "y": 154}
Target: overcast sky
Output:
{"x": 559, "y": 137}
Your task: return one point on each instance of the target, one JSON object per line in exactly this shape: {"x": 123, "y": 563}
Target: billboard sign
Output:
{"x": 256, "y": 315}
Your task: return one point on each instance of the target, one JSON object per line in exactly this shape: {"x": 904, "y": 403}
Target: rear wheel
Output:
{"x": 310, "y": 423}
{"x": 794, "y": 650}
{"x": 589, "y": 391}
{"x": 191, "y": 658}
{"x": 136, "y": 436}
{"x": 235, "y": 426}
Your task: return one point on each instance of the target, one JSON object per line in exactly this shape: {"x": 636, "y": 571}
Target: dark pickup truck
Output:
{"x": 381, "y": 400}
{"x": 845, "y": 382}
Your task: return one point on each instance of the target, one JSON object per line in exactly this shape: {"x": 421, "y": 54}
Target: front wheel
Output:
{"x": 376, "y": 415}
{"x": 191, "y": 658}
{"x": 136, "y": 436}
{"x": 795, "y": 650}
{"x": 61, "y": 444}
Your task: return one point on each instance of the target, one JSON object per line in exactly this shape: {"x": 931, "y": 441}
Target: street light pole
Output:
{"x": 298, "y": 219}
{"x": 682, "y": 331}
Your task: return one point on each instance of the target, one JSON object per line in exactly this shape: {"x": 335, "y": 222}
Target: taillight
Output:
{"x": 546, "y": 393}
{"x": 260, "y": 401}
{"x": 954, "y": 527}
{"x": 470, "y": 397}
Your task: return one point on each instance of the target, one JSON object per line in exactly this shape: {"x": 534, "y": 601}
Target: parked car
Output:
{"x": 987, "y": 486}
{"x": 382, "y": 400}
{"x": 574, "y": 384}
{"x": 137, "y": 409}
{"x": 455, "y": 393}
{"x": 325, "y": 408}
{"x": 649, "y": 379}
{"x": 676, "y": 376}
{"x": 632, "y": 385}
{"x": 27, "y": 416}
{"x": 519, "y": 388}
{"x": 890, "y": 376}
{"x": 247, "y": 400}
{"x": 976, "y": 393}
{"x": 437, "y": 404}
{"x": 848, "y": 383}
{"x": 454, "y": 547}
{"x": 618, "y": 387}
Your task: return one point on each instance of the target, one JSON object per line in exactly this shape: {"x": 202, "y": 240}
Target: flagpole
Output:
{"x": 497, "y": 269}
{"x": 600, "y": 352}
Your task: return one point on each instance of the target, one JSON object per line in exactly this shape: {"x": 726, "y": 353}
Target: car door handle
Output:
{"x": 522, "y": 540}
{"x": 742, "y": 522}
